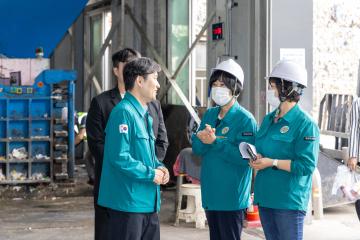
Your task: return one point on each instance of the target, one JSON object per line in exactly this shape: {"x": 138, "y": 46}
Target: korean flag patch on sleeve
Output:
{"x": 123, "y": 128}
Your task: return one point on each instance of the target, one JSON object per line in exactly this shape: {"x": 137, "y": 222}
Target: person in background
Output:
{"x": 80, "y": 136}
{"x": 354, "y": 143}
{"x": 80, "y": 127}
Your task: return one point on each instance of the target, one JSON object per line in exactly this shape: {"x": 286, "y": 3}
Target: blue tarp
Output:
{"x": 28, "y": 24}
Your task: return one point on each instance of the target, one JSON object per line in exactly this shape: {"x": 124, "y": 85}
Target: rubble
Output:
{"x": 39, "y": 176}
{"x": 336, "y": 51}
{"x": 19, "y": 176}
{"x": 41, "y": 157}
{"x": 18, "y": 153}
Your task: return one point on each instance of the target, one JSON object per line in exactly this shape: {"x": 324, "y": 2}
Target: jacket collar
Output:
{"x": 290, "y": 116}
{"x": 115, "y": 96}
{"x": 115, "y": 93}
{"x": 136, "y": 104}
{"x": 229, "y": 115}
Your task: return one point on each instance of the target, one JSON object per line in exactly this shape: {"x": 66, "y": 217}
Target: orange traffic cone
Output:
{"x": 252, "y": 219}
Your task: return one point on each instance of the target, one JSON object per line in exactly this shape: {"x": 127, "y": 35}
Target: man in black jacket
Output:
{"x": 98, "y": 115}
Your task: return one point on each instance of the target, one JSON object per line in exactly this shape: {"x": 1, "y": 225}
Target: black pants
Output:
{"x": 357, "y": 207}
{"x": 225, "y": 225}
{"x": 90, "y": 165}
{"x": 101, "y": 223}
{"x": 132, "y": 226}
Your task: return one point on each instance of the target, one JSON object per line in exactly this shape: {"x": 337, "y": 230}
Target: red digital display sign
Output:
{"x": 217, "y": 31}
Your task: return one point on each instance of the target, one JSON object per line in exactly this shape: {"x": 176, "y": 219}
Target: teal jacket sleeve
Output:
{"x": 120, "y": 141}
{"x": 230, "y": 148}
{"x": 306, "y": 150}
{"x": 158, "y": 163}
{"x": 198, "y": 147}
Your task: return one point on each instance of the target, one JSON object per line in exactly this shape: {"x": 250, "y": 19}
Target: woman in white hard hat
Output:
{"x": 288, "y": 145}
{"x": 225, "y": 176}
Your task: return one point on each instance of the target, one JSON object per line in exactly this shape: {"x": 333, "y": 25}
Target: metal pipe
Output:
{"x": 71, "y": 123}
{"x": 229, "y": 27}
{"x": 122, "y": 22}
{"x": 257, "y": 60}
{"x": 268, "y": 41}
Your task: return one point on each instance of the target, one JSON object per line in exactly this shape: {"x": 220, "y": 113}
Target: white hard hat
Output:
{"x": 232, "y": 67}
{"x": 290, "y": 71}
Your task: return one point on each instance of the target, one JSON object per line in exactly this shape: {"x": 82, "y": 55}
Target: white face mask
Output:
{"x": 221, "y": 95}
{"x": 272, "y": 99}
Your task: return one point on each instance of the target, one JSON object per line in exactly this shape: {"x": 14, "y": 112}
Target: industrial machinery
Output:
{"x": 36, "y": 103}
{"x": 31, "y": 148}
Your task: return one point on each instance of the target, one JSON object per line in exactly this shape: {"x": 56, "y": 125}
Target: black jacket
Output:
{"x": 98, "y": 115}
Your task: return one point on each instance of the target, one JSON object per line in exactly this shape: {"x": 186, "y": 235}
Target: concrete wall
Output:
{"x": 247, "y": 46}
{"x": 292, "y": 27}
{"x": 336, "y": 48}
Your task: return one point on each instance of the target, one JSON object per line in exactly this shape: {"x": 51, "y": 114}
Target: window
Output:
{"x": 98, "y": 24}
{"x": 186, "y": 20}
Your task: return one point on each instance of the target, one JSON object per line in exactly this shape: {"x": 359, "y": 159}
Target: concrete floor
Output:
{"x": 339, "y": 223}
{"x": 72, "y": 218}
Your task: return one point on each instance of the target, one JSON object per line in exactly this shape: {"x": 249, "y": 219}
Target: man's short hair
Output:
{"x": 139, "y": 67}
{"x": 124, "y": 55}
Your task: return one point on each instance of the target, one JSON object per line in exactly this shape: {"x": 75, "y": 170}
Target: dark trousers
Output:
{"x": 357, "y": 207}
{"x": 225, "y": 225}
{"x": 132, "y": 226}
{"x": 101, "y": 219}
{"x": 282, "y": 224}
{"x": 90, "y": 165}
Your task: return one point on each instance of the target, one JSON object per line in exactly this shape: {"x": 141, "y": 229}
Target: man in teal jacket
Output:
{"x": 131, "y": 174}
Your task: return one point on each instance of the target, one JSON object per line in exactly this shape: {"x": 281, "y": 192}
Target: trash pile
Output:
{"x": 41, "y": 157}
{"x": 18, "y": 153}
{"x": 38, "y": 176}
{"x": 2, "y": 176}
{"x": 14, "y": 175}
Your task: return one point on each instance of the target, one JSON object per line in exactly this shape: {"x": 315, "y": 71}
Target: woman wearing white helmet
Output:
{"x": 288, "y": 145}
{"x": 225, "y": 176}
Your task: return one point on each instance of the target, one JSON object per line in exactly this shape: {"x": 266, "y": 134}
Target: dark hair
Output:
{"x": 286, "y": 89}
{"x": 228, "y": 79}
{"x": 139, "y": 67}
{"x": 124, "y": 55}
